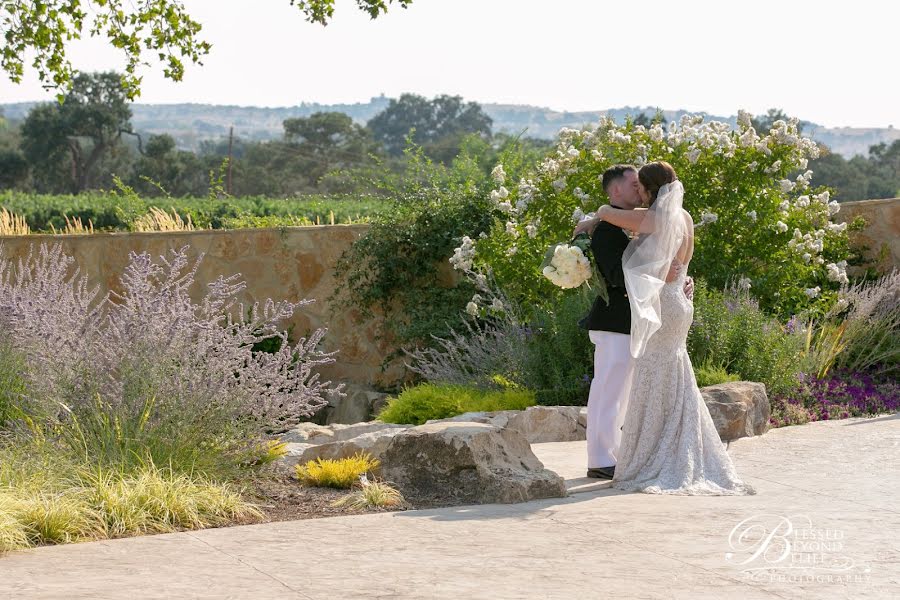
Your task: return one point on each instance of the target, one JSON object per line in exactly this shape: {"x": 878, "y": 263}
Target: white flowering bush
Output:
{"x": 758, "y": 218}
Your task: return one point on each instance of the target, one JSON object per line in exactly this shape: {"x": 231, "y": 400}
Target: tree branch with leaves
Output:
{"x": 139, "y": 29}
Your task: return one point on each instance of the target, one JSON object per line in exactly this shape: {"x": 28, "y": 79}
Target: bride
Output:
{"x": 669, "y": 442}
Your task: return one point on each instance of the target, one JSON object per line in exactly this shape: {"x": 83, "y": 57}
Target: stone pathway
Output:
{"x": 836, "y": 480}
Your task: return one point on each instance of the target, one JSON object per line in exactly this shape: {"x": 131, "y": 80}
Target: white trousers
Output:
{"x": 608, "y": 399}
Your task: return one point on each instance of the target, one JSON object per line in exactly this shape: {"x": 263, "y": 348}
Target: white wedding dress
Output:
{"x": 669, "y": 441}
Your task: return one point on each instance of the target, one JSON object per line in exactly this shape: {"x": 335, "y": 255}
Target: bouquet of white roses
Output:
{"x": 569, "y": 266}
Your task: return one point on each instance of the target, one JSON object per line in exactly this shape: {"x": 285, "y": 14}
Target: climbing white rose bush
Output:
{"x": 759, "y": 220}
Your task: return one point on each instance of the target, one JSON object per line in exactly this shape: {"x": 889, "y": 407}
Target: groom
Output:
{"x": 609, "y": 327}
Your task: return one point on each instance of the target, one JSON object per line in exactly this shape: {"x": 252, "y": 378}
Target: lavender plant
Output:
{"x": 491, "y": 351}
{"x": 147, "y": 373}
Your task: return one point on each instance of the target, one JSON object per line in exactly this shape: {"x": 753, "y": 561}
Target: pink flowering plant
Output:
{"x": 147, "y": 373}
{"x": 759, "y": 220}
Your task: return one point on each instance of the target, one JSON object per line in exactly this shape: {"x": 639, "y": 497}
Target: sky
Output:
{"x": 830, "y": 62}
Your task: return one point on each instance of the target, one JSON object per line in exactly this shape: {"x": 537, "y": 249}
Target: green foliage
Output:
{"x": 427, "y": 123}
{"x": 430, "y": 401}
{"x": 320, "y": 11}
{"x": 400, "y": 268}
{"x": 82, "y": 132}
{"x": 861, "y": 177}
{"x": 753, "y": 222}
{"x": 707, "y": 375}
{"x": 12, "y": 382}
{"x": 732, "y": 333}
{"x": 559, "y": 353}
{"x": 161, "y": 28}
{"x": 116, "y": 212}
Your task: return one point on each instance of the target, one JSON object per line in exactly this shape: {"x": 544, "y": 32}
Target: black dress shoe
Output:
{"x": 602, "y": 472}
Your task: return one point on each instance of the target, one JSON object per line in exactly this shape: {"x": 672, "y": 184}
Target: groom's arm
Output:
{"x": 608, "y": 243}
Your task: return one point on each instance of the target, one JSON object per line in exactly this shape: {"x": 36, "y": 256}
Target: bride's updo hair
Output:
{"x": 655, "y": 175}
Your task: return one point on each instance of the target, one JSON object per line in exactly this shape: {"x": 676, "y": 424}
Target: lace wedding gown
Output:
{"x": 669, "y": 441}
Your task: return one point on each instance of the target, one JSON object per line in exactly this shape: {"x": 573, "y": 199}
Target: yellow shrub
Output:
{"x": 341, "y": 473}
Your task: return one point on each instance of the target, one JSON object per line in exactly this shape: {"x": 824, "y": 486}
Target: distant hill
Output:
{"x": 189, "y": 124}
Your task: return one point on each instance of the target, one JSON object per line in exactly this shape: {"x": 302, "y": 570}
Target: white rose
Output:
{"x": 472, "y": 308}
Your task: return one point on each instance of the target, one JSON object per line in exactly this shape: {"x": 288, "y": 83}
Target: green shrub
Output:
{"x": 711, "y": 375}
{"x": 731, "y": 332}
{"x": 429, "y": 401}
{"x": 559, "y": 353}
{"x": 400, "y": 268}
{"x": 117, "y": 212}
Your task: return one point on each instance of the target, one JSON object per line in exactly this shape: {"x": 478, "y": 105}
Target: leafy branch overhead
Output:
{"x": 139, "y": 30}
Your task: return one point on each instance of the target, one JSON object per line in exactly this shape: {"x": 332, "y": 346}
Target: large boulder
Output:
{"x": 373, "y": 443}
{"x": 538, "y": 424}
{"x": 739, "y": 408}
{"x": 472, "y": 463}
{"x": 309, "y": 433}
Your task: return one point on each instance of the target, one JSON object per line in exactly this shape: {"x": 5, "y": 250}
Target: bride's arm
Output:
{"x": 633, "y": 220}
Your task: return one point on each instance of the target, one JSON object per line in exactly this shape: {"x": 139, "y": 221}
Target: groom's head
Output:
{"x": 620, "y": 182}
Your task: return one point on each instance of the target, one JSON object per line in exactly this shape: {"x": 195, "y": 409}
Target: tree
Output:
{"x": 645, "y": 121}
{"x": 85, "y": 127}
{"x": 177, "y": 172}
{"x": 160, "y": 28}
{"x": 326, "y": 141}
{"x": 433, "y": 120}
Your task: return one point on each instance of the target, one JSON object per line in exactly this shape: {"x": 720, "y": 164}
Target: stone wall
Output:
{"x": 881, "y": 236}
{"x": 283, "y": 264}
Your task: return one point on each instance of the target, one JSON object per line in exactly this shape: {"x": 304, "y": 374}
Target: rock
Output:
{"x": 473, "y": 463}
{"x": 341, "y": 432}
{"x": 497, "y": 418}
{"x": 582, "y": 422}
{"x": 739, "y": 408}
{"x": 359, "y": 404}
{"x": 537, "y": 423}
{"x": 308, "y": 433}
{"x": 541, "y": 424}
{"x": 373, "y": 443}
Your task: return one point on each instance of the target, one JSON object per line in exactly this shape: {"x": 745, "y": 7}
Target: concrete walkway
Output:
{"x": 835, "y": 483}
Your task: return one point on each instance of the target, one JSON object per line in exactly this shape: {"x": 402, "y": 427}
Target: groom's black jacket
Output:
{"x": 608, "y": 244}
